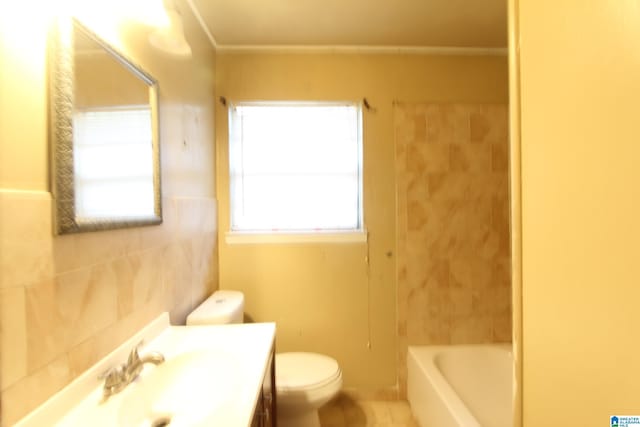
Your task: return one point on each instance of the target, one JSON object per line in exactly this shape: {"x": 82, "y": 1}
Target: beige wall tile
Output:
{"x": 68, "y": 310}
{"x": 97, "y": 247}
{"x": 474, "y": 329}
{"x": 48, "y": 326}
{"x": 191, "y": 217}
{"x": 210, "y": 221}
{"x": 87, "y": 353}
{"x": 470, "y": 157}
{"x": 139, "y": 280}
{"x": 417, "y": 190}
{"x": 147, "y": 283}
{"x": 65, "y": 257}
{"x": 162, "y": 235}
{"x": 13, "y": 336}
{"x": 404, "y": 126}
{"x": 31, "y": 391}
{"x": 178, "y": 279}
{"x": 202, "y": 248}
{"x": 502, "y": 327}
{"x": 89, "y": 301}
{"x": 501, "y": 273}
{"x": 429, "y": 158}
{"x": 446, "y": 123}
{"x": 26, "y": 238}
{"x": 500, "y": 157}
{"x": 470, "y": 273}
{"x": 419, "y": 127}
{"x": 489, "y": 123}
{"x": 450, "y": 186}
{"x": 125, "y": 270}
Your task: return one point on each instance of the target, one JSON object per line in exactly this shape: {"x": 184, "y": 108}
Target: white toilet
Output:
{"x": 304, "y": 381}
{"x": 220, "y": 308}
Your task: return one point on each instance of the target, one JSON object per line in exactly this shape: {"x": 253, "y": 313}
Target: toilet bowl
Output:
{"x": 304, "y": 381}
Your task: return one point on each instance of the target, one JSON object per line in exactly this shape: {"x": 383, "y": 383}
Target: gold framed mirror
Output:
{"x": 105, "y": 148}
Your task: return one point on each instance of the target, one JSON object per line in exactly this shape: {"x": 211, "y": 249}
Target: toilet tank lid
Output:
{"x": 304, "y": 370}
{"x": 219, "y": 308}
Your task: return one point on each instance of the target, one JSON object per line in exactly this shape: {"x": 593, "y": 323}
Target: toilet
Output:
{"x": 304, "y": 381}
{"x": 220, "y": 308}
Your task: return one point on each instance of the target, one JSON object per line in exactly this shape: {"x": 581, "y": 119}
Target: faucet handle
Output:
{"x": 114, "y": 380}
{"x": 134, "y": 356}
{"x": 112, "y": 376}
{"x": 111, "y": 372}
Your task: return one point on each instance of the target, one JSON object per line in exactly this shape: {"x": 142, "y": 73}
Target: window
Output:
{"x": 295, "y": 167}
{"x": 105, "y": 137}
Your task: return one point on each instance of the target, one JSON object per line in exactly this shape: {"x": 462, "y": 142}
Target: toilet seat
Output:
{"x": 301, "y": 372}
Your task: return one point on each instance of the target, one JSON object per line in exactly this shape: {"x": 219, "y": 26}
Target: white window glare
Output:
{"x": 103, "y": 138}
{"x": 296, "y": 167}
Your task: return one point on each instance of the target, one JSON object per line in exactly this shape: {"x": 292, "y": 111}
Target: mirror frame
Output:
{"x": 61, "y": 106}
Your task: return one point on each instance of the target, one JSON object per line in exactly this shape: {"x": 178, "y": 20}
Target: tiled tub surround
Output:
{"x": 67, "y": 301}
{"x": 453, "y": 226}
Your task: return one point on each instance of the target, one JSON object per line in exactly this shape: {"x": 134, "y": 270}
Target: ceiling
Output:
{"x": 370, "y": 23}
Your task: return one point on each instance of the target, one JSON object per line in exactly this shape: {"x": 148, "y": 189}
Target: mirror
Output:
{"x": 104, "y": 131}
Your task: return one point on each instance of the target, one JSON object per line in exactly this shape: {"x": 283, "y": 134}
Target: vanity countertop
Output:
{"x": 244, "y": 348}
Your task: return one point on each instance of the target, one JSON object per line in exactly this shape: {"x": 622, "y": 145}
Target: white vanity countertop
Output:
{"x": 244, "y": 347}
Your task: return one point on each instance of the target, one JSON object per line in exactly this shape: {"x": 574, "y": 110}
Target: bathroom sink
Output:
{"x": 183, "y": 391}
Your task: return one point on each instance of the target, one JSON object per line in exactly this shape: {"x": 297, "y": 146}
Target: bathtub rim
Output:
{"x": 424, "y": 358}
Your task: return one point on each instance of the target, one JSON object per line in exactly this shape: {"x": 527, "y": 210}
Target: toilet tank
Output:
{"x": 220, "y": 308}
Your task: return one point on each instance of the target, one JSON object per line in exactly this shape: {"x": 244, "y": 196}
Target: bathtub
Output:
{"x": 461, "y": 385}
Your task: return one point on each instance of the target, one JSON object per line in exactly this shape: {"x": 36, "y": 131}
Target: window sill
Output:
{"x": 246, "y": 237}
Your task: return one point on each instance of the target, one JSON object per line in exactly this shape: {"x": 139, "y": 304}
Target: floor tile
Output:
{"x": 346, "y": 412}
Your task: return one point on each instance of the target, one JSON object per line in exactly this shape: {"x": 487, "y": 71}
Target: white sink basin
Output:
{"x": 212, "y": 378}
{"x": 183, "y": 391}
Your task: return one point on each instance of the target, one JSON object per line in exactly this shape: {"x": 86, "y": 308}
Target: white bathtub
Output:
{"x": 461, "y": 385}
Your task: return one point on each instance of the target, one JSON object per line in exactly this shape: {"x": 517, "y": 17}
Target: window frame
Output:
{"x": 350, "y": 235}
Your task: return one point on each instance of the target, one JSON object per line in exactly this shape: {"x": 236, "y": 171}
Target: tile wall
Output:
{"x": 67, "y": 301}
{"x": 453, "y": 225}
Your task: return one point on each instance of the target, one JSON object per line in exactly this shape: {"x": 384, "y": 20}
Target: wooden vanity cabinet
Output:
{"x": 265, "y": 412}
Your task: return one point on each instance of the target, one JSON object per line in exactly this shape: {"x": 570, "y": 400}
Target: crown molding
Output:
{"x": 357, "y": 49}
{"x": 203, "y": 25}
{"x": 346, "y": 49}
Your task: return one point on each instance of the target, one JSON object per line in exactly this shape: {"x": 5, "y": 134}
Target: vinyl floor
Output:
{"x": 346, "y": 412}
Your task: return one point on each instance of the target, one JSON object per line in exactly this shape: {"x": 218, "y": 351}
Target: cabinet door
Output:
{"x": 258, "y": 415}
{"x": 269, "y": 395}
{"x": 265, "y": 413}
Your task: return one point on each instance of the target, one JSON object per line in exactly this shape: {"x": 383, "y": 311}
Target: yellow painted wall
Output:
{"x": 580, "y": 148}
{"x": 23, "y": 155}
{"x": 67, "y": 301}
{"x": 321, "y": 295}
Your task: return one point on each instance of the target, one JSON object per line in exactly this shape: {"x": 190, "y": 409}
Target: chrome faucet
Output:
{"x": 120, "y": 376}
